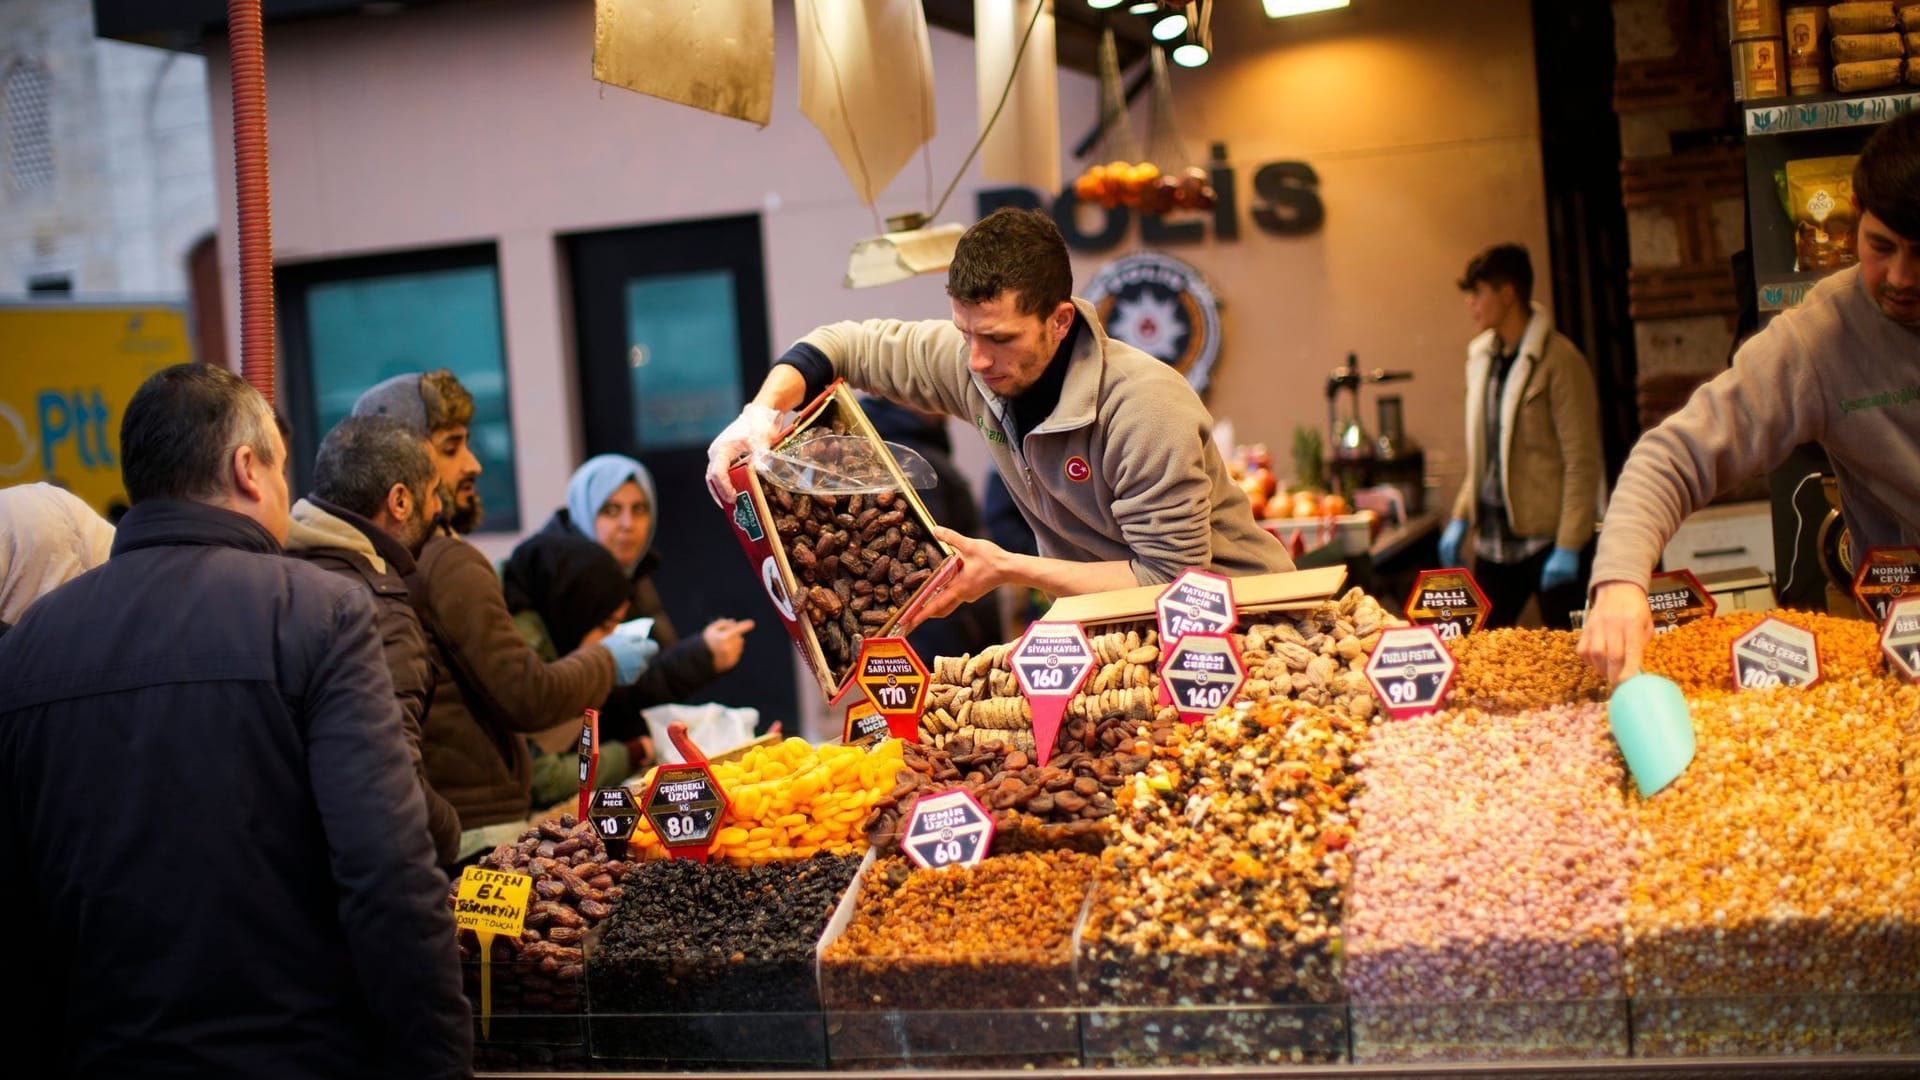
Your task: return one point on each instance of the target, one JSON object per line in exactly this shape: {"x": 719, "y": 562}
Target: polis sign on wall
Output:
{"x": 1286, "y": 202}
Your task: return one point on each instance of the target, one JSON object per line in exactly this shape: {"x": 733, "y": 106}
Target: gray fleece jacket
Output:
{"x": 1834, "y": 370}
{"x": 1124, "y": 469}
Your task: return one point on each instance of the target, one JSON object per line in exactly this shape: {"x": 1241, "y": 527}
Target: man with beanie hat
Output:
{"x": 490, "y": 688}
{"x": 1839, "y": 370}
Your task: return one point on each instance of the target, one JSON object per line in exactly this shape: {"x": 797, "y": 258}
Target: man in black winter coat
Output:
{"x": 372, "y": 507}
{"x": 213, "y": 853}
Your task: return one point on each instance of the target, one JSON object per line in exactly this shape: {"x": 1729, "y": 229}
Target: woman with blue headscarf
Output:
{"x": 610, "y": 500}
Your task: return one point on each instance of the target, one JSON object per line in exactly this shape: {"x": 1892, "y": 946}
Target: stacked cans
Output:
{"x": 1759, "y": 50}
{"x": 1812, "y": 47}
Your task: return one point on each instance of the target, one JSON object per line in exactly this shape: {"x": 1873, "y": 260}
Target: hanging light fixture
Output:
{"x": 1170, "y": 27}
{"x": 1280, "y": 9}
{"x": 1190, "y": 55}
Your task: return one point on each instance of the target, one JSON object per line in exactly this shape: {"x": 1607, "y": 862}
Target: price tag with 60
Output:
{"x": 947, "y": 829}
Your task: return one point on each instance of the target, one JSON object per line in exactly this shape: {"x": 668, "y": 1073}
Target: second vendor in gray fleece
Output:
{"x": 1842, "y": 369}
{"x": 1107, "y": 451}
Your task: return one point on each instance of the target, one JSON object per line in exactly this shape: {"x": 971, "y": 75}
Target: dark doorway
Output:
{"x": 671, "y": 328}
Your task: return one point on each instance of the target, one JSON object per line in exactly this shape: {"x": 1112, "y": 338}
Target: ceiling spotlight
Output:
{"x": 1143, "y": 7}
{"x": 1190, "y": 55}
{"x": 1169, "y": 28}
{"x": 1280, "y": 9}
{"x": 1102, "y": 5}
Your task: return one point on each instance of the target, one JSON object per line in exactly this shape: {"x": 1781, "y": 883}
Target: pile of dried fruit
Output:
{"x": 1319, "y": 658}
{"x": 1780, "y": 863}
{"x": 1699, "y": 655}
{"x": 575, "y": 886}
{"x": 790, "y": 800}
{"x": 977, "y": 697}
{"x": 1514, "y": 670}
{"x": 1490, "y": 868}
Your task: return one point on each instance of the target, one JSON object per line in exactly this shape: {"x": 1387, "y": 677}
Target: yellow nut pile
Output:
{"x": 791, "y": 800}
{"x": 1699, "y": 655}
{"x": 1518, "y": 670}
{"x": 1782, "y": 862}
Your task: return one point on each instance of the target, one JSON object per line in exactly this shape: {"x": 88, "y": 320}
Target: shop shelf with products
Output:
{"x": 1779, "y": 130}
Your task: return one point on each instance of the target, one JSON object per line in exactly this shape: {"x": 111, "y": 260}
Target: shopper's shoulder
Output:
{"x": 445, "y": 553}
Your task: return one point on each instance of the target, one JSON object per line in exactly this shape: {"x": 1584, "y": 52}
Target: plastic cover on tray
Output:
{"x": 819, "y": 462}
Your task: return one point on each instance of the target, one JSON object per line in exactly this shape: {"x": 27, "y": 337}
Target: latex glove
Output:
{"x": 1450, "y": 542}
{"x": 631, "y": 655}
{"x": 1562, "y": 567}
{"x": 1619, "y": 625}
{"x": 751, "y": 432}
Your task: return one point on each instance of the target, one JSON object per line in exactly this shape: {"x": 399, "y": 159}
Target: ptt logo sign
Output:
{"x": 67, "y": 372}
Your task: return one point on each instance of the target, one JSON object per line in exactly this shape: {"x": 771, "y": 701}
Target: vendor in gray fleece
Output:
{"x": 1106, "y": 450}
{"x": 1842, "y": 369}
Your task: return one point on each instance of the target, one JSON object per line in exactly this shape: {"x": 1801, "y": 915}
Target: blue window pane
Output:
{"x": 683, "y": 349}
{"x": 366, "y": 330}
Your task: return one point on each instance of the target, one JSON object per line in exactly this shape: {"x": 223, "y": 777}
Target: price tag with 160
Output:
{"x": 1051, "y": 662}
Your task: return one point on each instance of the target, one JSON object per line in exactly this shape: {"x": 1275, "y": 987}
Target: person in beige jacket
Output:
{"x": 1107, "y": 451}
{"x": 1842, "y": 369}
{"x": 1533, "y": 481}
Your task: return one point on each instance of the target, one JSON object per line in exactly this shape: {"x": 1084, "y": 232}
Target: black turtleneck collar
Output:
{"x": 1036, "y": 403}
{"x": 388, "y": 548}
{"x": 176, "y": 522}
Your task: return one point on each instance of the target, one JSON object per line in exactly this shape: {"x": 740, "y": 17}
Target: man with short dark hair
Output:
{"x": 372, "y": 507}
{"x": 1534, "y": 468}
{"x": 490, "y": 688}
{"x": 1841, "y": 369}
{"x": 216, "y": 856}
{"x": 1106, "y": 450}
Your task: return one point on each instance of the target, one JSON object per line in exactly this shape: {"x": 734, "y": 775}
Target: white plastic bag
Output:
{"x": 715, "y": 729}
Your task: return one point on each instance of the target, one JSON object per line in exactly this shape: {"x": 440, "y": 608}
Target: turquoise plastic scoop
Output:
{"x": 1650, "y": 721}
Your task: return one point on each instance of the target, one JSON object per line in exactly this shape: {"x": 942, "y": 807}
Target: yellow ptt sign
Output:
{"x": 67, "y": 371}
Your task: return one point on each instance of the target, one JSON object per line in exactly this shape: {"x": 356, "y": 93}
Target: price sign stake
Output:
{"x": 947, "y": 829}
{"x": 589, "y": 758}
{"x": 1450, "y": 601}
{"x": 1676, "y": 598}
{"x": 1900, "y": 637}
{"x": 895, "y": 683}
{"x": 1411, "y": 670}
{"x": 1775, "y": 653}
{"x": 1196, "y": 602}
{"x": 614, "y": 815}
{"x": 490, "y": 902}
{"x": 865, "y": 726}
{"x": 1202, "y": 673}
{"x": 1886, "y": 575}
{"x": 1051, "y": 663}
{"x": 685, "y": 805}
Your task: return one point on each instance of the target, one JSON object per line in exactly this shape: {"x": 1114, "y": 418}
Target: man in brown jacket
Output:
{"x": 491, "y": 689}
{"x": 373, "y": 504}
{"x": 1533, "y": 449}
{"x": 1107, "y": 451}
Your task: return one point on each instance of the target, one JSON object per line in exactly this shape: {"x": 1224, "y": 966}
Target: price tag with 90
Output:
{"x": 1051, "y": 662}
{"x": 685, "y": 806}
{"x": 1900, "y": 637}
{"x": 947, "y": 829}
{"x": 1202, "y": 673}
{"x": 1775, "y": 653}
{"x": 1411, "y": 671}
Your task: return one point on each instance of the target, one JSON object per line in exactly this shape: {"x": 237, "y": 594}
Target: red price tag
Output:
{"x": 1886, "y": 575}
{"x": 1202, "y": 673}
{"x": 1051, "y": 663}
{"x": 894, "y": 682}
{"x": 1196, "y": 602}
{"x": 589, "y": 758}
{"x": 685, "y": 805}
{"x": 1450, "y": 601}
{"x": 1676, "y": 598}
{"x": 1411, "y": 671}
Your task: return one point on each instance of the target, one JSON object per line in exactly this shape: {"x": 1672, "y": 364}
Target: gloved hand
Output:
{"x": 1562, "y": 567}
{"x": 1450, "y": 542}
{"x": 751, "y": 432}
{"x": 630, "y": 654}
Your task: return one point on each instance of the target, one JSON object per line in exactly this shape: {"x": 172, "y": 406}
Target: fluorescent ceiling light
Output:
{"x": 1280, "y": 9}
{"x": 1190, "y": 55}
{"x": 1102, "y": 5}
{"x": 1169, "y": 28}
{"x": 897, "y": 256}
